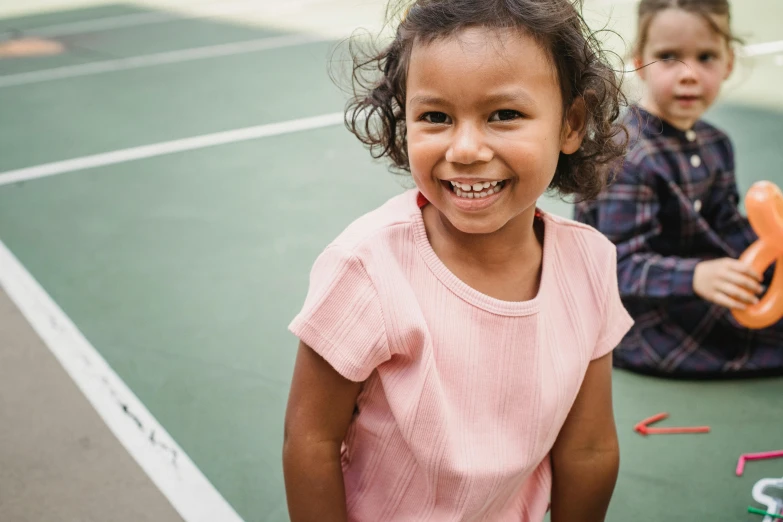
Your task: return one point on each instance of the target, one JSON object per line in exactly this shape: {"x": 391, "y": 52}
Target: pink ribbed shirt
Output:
{"x": 464, "y": 394}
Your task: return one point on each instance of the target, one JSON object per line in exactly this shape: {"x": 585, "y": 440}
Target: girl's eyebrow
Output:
{"x": 673, "y": 48}
{"x": 426, "y": 99}
{"x": 517, "y": 96}
{"x": 667, "y": 46}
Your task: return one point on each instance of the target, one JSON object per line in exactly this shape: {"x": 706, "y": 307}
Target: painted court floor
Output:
{"x": 166, "y": 182}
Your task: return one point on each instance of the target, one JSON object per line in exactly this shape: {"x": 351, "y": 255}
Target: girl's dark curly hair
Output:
{"x": 376, "y": 112}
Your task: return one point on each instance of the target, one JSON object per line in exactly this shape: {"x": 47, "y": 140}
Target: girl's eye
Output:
{"x": 505, "y": 115}
{"x": 666, "y": 56}
{"x": 707, "y": 57}
{"x": 439, "y": 118}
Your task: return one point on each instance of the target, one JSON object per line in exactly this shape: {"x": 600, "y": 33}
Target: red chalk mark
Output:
{"x": 644, "y": 428}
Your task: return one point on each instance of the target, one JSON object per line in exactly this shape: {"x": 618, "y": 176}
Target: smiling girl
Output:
{"x": 455, "y": 344}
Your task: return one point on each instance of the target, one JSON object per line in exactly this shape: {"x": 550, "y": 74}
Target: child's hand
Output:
{"x": 727, "y": 282}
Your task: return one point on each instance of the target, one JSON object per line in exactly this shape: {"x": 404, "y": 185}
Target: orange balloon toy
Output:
{"x": 764, "y": 203}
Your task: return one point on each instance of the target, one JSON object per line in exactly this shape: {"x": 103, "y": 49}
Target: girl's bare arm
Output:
{"x": 320, "y": 408}
{"x": 586, "y": 455}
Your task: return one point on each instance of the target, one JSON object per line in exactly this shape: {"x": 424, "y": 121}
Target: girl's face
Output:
{"x": 697, "y": 61}
{"x": 485, "y": 126}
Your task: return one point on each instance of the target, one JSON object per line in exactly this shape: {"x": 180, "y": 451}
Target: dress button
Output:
{"x": 690, "y": 135}
{"x": 697, "y": 205}
{"x": 695, "y": 161}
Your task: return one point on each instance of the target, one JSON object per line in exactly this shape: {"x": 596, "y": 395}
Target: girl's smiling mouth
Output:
{"x": 475, "y": 195}
{"x": 474, "y": 189}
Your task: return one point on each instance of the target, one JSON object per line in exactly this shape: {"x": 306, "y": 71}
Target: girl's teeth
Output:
{"x": 476, "y": 187}
{"x": 471, "y": 194}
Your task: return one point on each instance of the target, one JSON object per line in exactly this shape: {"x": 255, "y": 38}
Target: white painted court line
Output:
{"x": 170, "y": 468}
{"x": 101, "y": 24}
{"x": 763, "y": 48}
{"x": 149, "y": 60}
{"x": 169, "y": 147}
{"x": 194, "y": 12}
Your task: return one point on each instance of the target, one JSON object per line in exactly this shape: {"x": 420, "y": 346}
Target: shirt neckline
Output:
{"x": 468, "y": 293}
{"x": 656, "y": 126}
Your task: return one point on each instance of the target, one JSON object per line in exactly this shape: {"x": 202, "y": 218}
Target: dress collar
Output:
{"x": 652, "y": 125}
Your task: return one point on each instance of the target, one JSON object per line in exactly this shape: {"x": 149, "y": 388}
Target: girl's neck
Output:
{"x": 652, "y": 108}
{"x": 518, "y": 243}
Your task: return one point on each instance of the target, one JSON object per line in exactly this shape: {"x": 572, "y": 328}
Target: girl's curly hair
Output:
{"x": 376, "y": 111}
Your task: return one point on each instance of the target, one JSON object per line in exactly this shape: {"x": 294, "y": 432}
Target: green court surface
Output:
{"x": 183, "y": 270}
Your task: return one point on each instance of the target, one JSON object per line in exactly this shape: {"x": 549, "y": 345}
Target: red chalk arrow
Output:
{"x": 644, "y": 428}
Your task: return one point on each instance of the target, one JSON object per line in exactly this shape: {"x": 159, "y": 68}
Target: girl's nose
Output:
{"x": 687, "y": 73}
{"x": 468, "y": 146}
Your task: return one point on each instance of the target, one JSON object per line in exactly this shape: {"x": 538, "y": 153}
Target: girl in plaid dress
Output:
{"x": 672, "y": 210}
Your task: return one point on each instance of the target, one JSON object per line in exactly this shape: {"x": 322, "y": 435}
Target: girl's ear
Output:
{"x": 641, "y": 71}
{"x": 730, "y": 66}
{"x": 575, "y": 127}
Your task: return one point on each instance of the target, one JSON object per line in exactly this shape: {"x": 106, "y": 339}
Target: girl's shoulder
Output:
{"x": 586, "y": 247}
{"x": 706, "y": 133}
{"x": 376, "y": 225}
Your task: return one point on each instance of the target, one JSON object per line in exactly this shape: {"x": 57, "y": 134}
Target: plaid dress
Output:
{"x": 672, "y": 205}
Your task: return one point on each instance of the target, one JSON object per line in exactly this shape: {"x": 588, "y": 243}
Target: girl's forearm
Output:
{"x": 314, "y": 482}
{"x": 582, "y": 485}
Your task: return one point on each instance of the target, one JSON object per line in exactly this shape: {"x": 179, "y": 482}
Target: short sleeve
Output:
{"x": 616, "y": 321}
{"x": 342, "y": 318}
